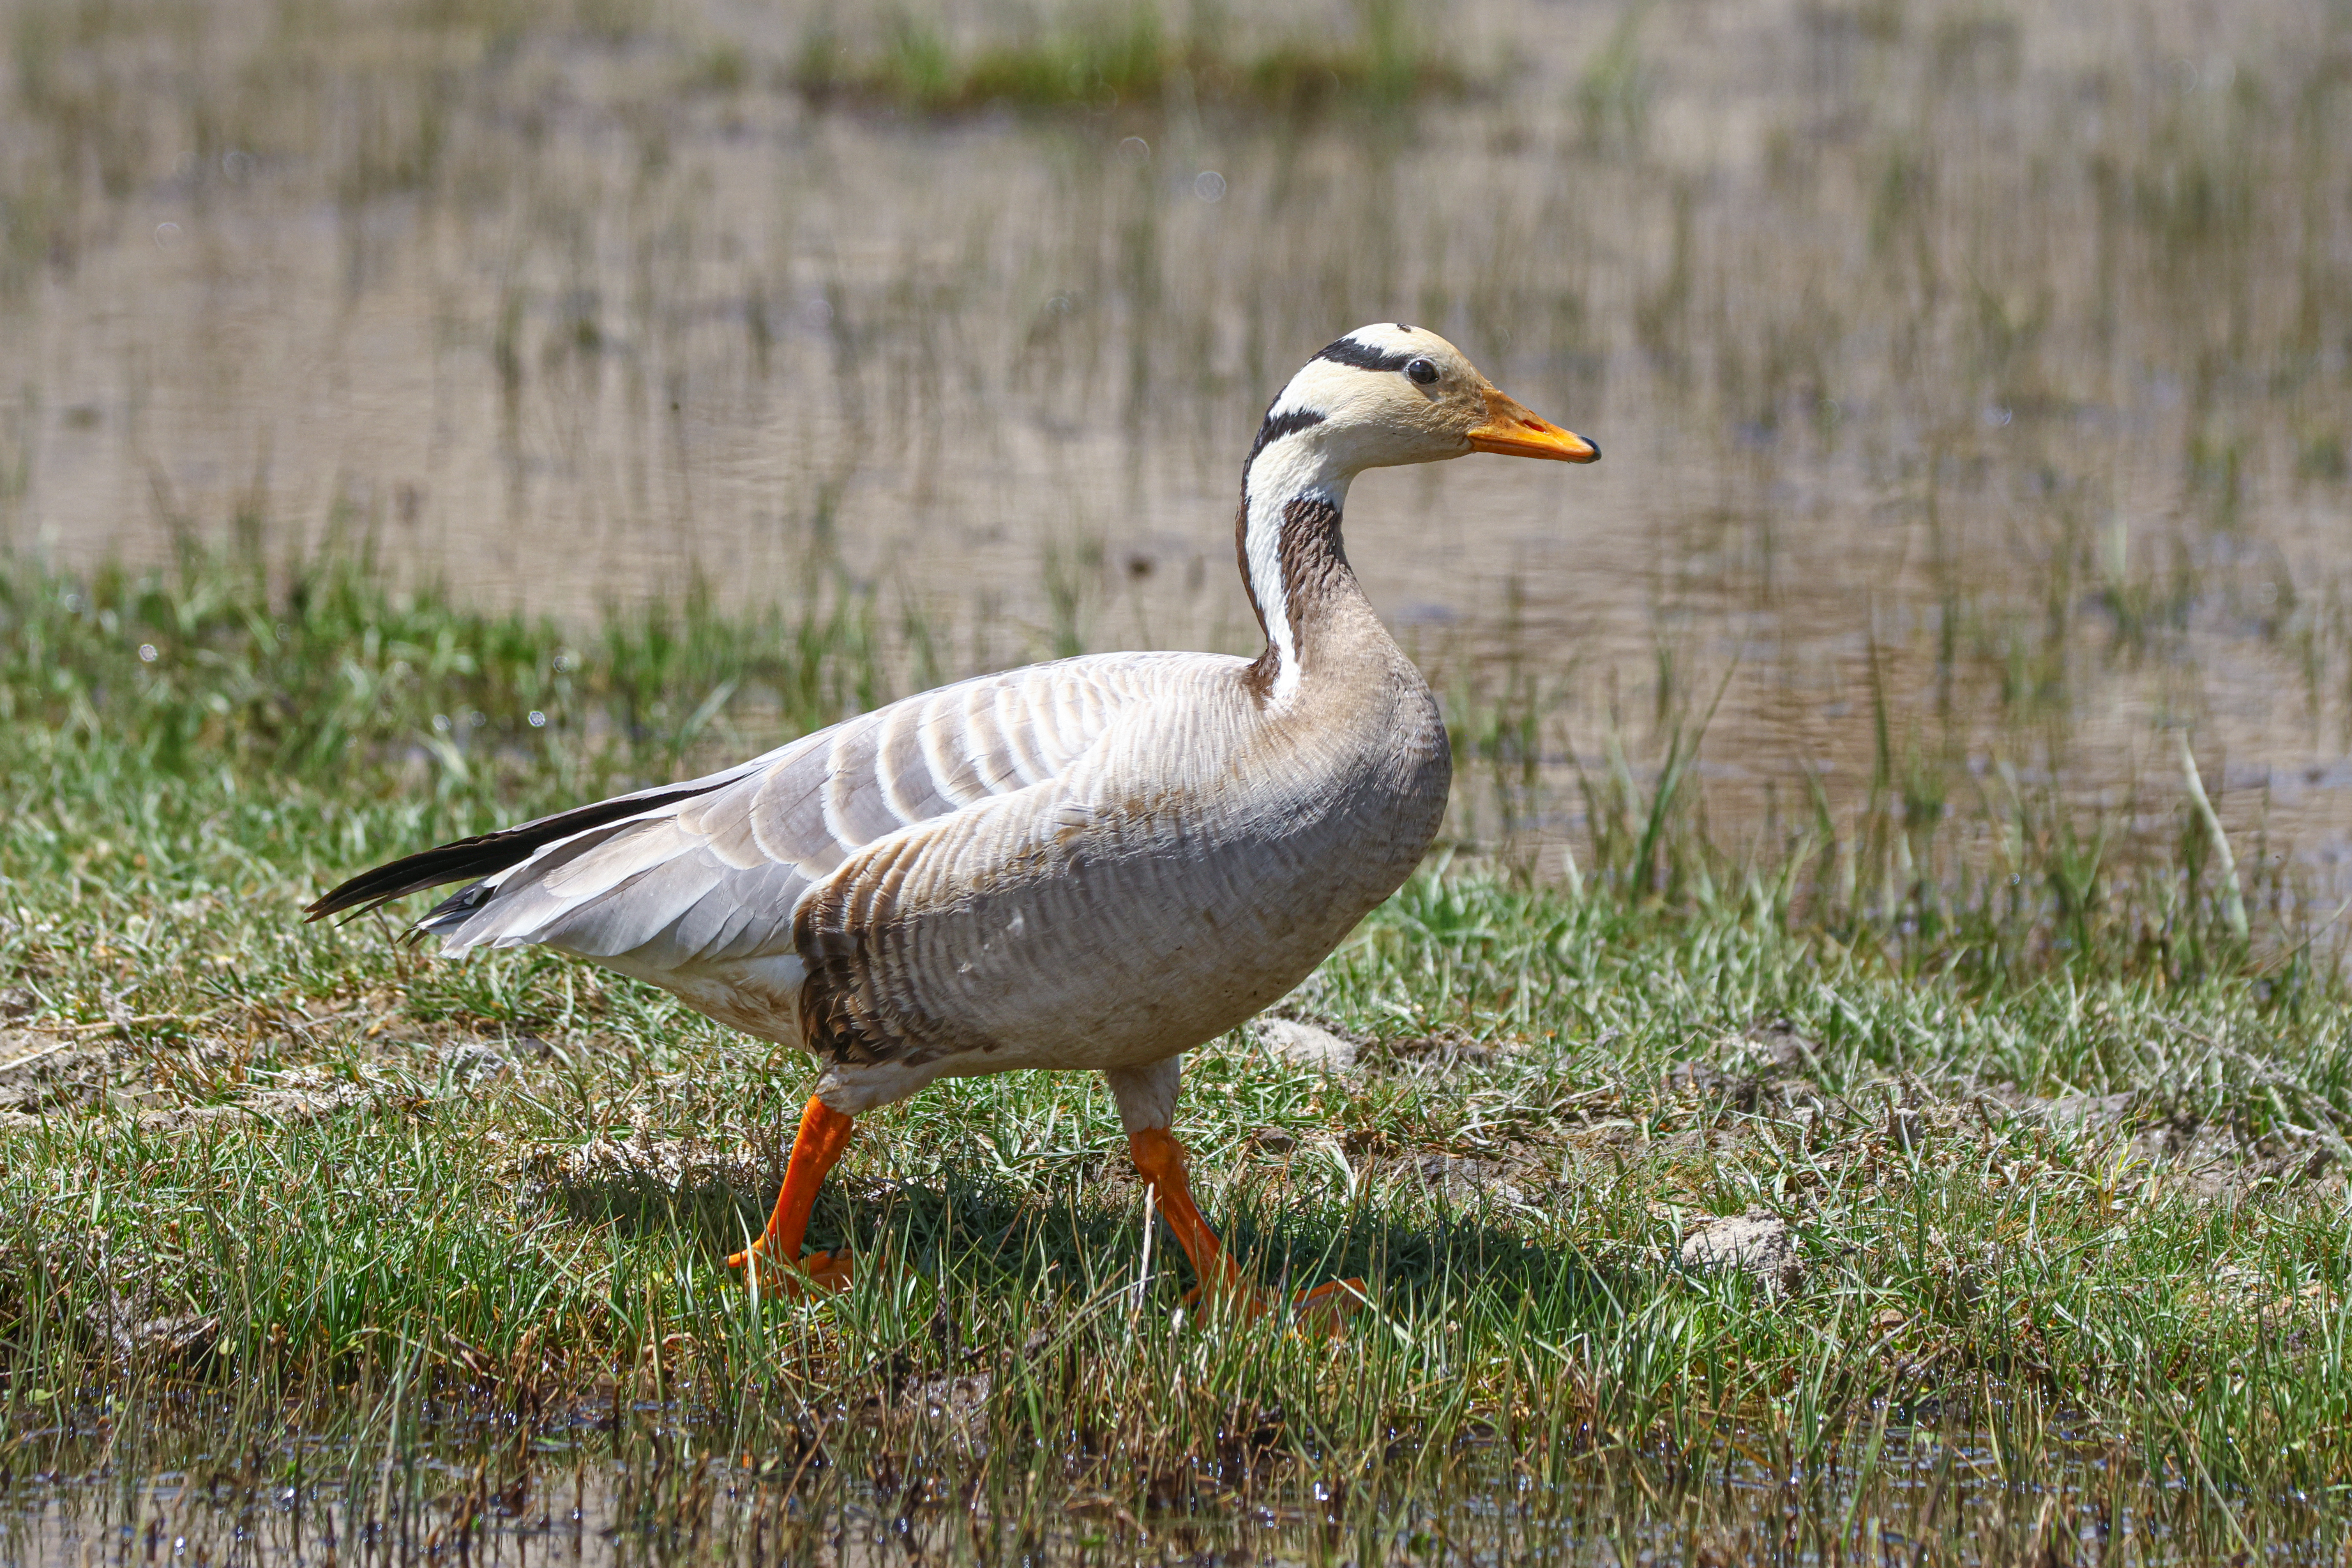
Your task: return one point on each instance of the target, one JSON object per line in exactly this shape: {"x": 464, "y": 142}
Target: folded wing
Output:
{"x": 700, "y": 879}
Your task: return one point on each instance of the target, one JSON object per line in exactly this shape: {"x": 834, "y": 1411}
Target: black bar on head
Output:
{"x": 1363, "y": 356}
{"x": 1278, "y": 426}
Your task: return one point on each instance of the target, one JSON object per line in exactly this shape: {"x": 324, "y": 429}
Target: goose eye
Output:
{"x": 1422, "y": 372}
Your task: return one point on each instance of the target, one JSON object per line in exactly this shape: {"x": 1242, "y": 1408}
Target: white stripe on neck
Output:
{"x": 1296, "y": 467}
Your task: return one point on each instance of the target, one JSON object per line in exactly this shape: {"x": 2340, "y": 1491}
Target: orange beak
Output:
{"x": 1510, "y": 430}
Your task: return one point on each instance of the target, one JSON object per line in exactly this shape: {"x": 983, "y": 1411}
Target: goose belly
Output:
{"x": 1195, "y": 955}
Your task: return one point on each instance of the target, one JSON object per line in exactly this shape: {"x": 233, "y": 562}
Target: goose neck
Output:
{"x": 1292, "y": 556}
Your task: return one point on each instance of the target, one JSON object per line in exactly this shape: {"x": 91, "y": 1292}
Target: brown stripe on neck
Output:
{"x": 1314, "y": 564}
{"x": 1270, "y": 430}
{"x": 1313, "y": 559}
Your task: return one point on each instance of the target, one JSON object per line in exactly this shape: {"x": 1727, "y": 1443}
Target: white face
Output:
{"x": 1390, "y": 394}
{"x": 1383, "y": 395}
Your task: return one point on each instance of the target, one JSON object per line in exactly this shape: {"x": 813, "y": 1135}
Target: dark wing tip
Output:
{"x": 414, "y": 873}
{"x": 486, "y": 853}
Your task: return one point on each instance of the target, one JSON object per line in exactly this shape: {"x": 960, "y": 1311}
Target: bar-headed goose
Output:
{"x": 1100, "y": 862}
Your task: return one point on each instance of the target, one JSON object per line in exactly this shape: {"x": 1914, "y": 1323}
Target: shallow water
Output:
{"x": 1974, "y": 382}
{"x": 514, "y": 1497}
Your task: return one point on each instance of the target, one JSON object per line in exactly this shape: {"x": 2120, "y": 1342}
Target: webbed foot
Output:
{"x": 1322, "y": 1311}
{"x": 1325, "y": 1311}
{"x": 820, "y": 1273}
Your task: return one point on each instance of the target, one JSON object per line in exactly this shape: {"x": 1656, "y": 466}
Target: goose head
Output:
{"x": 1390, "y": 394}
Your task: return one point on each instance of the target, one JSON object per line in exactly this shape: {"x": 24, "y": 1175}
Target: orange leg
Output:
{"x": 775, "y": 1258}
{"x": 1160, "y": 1159}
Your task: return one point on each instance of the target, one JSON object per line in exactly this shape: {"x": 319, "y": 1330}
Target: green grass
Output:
{"x": 271, "y": 1219}
{"x": 1111, "y": 58}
